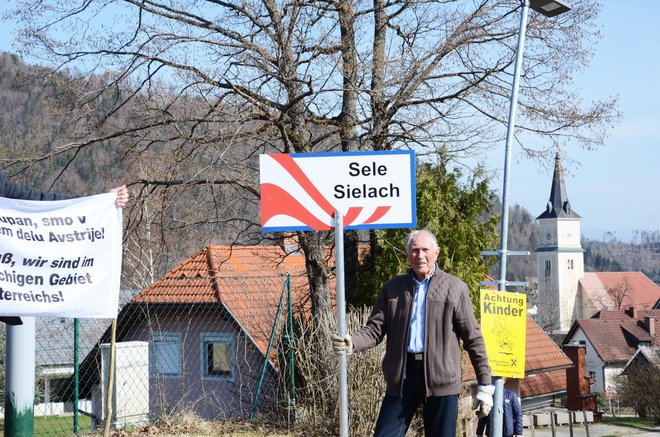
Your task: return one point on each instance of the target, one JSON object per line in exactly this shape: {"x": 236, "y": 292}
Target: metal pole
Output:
{"x": 273, "y": 332}
{"x": 76, "y": 372}
{"x": 498, "y": 398}
{"x": 20, "y": 378}
{"x": 292, "y": 361}
{"x": 341, "y": 323}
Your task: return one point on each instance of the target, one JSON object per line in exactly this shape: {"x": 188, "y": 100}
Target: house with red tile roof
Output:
{"x": 611, "y": 339}
{"x": 217, "y": 331}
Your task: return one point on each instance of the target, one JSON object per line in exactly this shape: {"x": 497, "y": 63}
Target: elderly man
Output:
{"x": 423, "y": 314}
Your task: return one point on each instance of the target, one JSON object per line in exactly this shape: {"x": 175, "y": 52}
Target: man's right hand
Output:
{"x": 483, "y": 401}
{"x": 340, "y": 345}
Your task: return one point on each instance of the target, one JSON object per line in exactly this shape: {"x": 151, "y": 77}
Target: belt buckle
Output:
{"x": 419, "y": 357}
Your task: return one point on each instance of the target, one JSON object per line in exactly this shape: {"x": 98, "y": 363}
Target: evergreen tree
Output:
{"x": 450, "y": 209}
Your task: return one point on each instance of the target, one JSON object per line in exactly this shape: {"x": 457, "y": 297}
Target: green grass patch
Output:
{"x": 638, "y": 422}
{"x": 57, "y": 426}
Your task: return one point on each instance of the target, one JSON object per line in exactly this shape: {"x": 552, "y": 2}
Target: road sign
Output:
{"x": 370, "y": 189}
{"x": 504, "y": 327}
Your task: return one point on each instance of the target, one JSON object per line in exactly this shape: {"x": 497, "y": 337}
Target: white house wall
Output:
{"x": 594, "y": 365}
{"x": 611, "y": 372}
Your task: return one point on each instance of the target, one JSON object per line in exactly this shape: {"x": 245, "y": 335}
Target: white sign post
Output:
{"x": 301, "y": 192}
{"x": 348, "y": 190}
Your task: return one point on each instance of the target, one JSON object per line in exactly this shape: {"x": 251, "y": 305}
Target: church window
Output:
{"x": 548, "y": 265}
{"x": 570, "y": 264}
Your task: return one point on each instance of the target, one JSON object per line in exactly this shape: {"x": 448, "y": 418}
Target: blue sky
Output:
{"x": 615, "y": 188}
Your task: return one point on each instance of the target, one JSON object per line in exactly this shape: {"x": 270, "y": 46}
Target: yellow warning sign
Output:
{"x": 503, "y": 324}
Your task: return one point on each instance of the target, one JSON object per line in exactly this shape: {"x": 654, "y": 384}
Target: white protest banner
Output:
{"x": 60, "y": 258}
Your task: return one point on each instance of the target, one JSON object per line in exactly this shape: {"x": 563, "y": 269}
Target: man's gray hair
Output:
{"x": 420, "y": 231}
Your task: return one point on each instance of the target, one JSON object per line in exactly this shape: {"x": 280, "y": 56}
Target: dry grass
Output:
{"x": 189, "y": 425}
{"x": 316, "y": 411}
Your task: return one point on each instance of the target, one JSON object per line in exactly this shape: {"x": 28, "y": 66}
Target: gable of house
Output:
{"x": 644, "y": 356}
{"x": 616, "y": 335}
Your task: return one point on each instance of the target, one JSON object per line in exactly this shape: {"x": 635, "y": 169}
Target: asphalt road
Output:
{"x": 594, "y": 430}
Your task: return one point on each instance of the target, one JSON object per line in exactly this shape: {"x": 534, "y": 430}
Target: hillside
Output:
{"x": 643, "y": 254}
{"x": 35, "y": 121}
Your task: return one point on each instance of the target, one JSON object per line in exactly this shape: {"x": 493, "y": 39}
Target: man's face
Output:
{"x": 422, "y": 255}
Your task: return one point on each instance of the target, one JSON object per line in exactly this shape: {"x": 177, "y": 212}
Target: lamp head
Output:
{"x": 550, "y": 8}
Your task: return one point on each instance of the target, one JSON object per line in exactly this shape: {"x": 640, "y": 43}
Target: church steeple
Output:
{"x": 559, "y": 258}
{"x": 558, "y": 206}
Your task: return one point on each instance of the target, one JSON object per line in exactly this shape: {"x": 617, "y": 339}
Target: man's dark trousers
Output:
{"x": 396, "y": 412}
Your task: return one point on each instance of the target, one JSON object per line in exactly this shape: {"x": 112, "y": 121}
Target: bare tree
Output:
{"x": 188, "y": 93}
{"x": 620, "y": 293}
{"x": 615, "y": 298}
{"x": 548, "y": 318}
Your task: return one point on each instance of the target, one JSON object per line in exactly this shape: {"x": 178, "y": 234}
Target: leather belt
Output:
{"x": 416, "y": 356}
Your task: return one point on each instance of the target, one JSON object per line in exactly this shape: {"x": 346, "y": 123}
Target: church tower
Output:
{"x": 559, "y": 258}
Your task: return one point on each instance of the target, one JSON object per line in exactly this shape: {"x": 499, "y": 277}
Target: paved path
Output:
{"x": 595, "y": 430}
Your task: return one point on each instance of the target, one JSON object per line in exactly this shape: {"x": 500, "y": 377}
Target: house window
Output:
{"x": 165, "y": 354}
{"x": 218, "y": 356}
{"x": 592, "y": 376}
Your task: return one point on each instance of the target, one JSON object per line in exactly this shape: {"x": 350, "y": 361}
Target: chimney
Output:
{"x": 632, "y": 312}
{"x": 649, "y": 324}
{"x": 578, "y": 389}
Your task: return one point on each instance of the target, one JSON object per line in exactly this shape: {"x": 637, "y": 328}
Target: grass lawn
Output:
{"x": 62, "y": 426}
{"x": 629, "y": 421}
{"x": 57, "y": 426}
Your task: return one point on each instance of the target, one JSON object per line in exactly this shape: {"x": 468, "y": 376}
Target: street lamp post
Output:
{"x": 549, "y": 8}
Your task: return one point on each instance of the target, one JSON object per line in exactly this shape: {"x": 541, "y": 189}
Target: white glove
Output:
{"x": 483, "y": 401}
{"x": 340, "y": 345}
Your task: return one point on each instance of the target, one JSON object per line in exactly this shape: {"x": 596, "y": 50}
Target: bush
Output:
{"x": 640, "y": 387}
{"x": 317, "y": 410}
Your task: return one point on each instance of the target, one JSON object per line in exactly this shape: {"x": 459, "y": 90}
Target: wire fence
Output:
{"x": 178, "y": 349}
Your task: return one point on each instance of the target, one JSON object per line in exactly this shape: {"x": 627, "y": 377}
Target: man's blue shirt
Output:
{"x": 418, "y": 319}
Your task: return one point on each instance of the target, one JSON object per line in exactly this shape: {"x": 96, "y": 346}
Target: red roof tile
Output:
{"x": 543, "y": 383}
{"x": 545, "y": 364}
{"x": 541, "y": 353}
